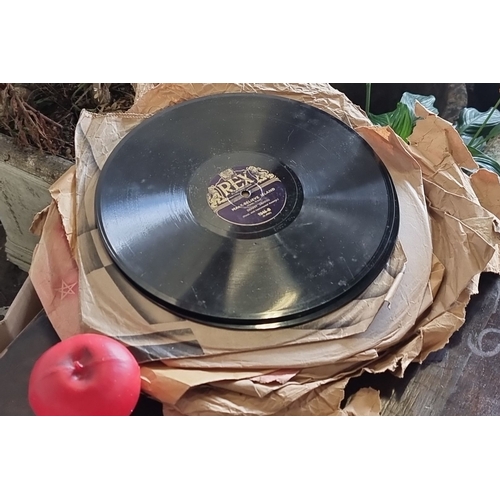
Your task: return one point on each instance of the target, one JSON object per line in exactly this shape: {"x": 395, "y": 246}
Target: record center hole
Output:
{"x": 245, "y": 193}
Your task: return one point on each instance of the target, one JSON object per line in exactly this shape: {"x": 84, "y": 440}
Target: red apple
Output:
{"x": 88, "y": 374}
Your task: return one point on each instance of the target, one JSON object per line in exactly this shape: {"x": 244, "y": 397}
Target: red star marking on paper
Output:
{"x": 66, "y": 289}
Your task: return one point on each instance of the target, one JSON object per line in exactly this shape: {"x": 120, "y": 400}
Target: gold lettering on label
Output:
{"x": 234, "y": 181}
{"x": 243, "y": 176}
{"x": 225, "y": 187}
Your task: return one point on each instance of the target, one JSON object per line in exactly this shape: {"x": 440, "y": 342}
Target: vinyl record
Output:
{"x": 247, "y": 211}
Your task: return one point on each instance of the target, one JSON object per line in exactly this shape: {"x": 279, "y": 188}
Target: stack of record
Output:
{"x": 255, "y": 253}
{"x": 247, "y": 211}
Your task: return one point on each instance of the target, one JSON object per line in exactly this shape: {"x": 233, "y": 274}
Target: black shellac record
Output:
{"x": 247, "y": 211}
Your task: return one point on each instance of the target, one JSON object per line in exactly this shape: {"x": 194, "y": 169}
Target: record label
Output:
{"x": 246, "y": 196}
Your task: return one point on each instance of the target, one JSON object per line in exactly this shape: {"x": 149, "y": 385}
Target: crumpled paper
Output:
{"x": 125, "y": 313}
{"x": 448, "y": 236}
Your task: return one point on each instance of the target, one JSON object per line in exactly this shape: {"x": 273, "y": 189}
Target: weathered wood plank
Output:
{"x": 461, "y": 379}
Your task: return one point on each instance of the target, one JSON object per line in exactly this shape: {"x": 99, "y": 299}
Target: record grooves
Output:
{"x": 247, "y": 211}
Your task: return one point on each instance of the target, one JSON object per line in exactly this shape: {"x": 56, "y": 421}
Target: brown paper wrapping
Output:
{"x": 448, "y": 236}
{"x": 152, "y": 332}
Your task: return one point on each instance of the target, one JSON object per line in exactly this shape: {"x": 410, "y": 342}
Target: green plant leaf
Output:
{"x": 466, "y": 138}
{"x": 484, "y": 161}
{"x": 427, "y": 101}
{"x": 403, "y": 118}
{"x": 494, "y": 132}
{"x": 399, "y": 120}
{"x": 480, "y": 142}
{"x": 470, "y": 120}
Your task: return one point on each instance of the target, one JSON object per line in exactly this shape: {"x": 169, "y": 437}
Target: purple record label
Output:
{"x": 246, "y": 196}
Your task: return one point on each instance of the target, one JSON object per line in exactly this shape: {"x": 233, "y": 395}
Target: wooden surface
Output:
{"x": 461, "y": 379}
